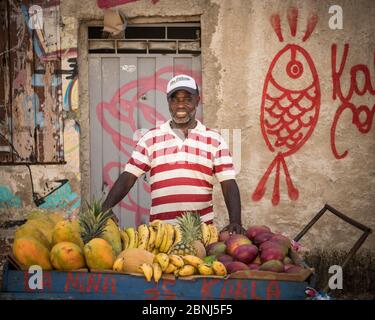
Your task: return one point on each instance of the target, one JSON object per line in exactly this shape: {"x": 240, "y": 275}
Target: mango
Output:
{"x": 252, "y": 231}
{"x": 235, "y": 241}
{"x": 272, "y": 265}
{"x": 235, "y": 266}
{"x": 245, "y": 253}
{"x": 216, "y": 249}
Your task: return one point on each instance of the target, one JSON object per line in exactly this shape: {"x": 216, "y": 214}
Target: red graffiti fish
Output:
{"x": 290, "y": 105}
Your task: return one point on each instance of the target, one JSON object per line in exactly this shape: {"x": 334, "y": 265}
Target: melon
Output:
{"x": 134, "y": 258}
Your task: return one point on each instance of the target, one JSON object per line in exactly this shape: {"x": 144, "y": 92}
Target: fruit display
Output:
{"x": 260, "y": 249}
{"x": 188, "y": 248}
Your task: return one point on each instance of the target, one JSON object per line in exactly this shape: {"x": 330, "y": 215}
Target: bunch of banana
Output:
{"x": 206, "y": 234}
{"x": 151, "y": 271}
{"x": 144, "y": 235}
{"x": 168, "y": 238}
{"x": 214, "y": 235}
{"x": 219, "y": 268}
{"x": 205, "y": 269}
{"x": 118, "y": 265}
{"x": 192, "y": 260}
{"x": 163, "y": 260}
{"x": 131, "y": 238}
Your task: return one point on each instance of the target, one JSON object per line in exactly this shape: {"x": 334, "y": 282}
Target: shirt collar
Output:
{"x": 166, "y": 127}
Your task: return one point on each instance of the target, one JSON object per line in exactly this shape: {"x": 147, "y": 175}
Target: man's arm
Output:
{"x": 232, "y": 199}
{"x": 119, "y": 190}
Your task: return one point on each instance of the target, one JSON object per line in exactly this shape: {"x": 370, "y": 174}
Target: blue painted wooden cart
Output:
{"x": 113, "y": 286}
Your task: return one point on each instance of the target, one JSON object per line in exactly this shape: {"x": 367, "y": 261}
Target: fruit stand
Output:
{"x": 114, "y": 286}
{"x": 159, "y": 261}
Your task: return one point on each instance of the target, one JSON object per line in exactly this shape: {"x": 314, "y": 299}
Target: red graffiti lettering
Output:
{"x": 227, "y": 291}
{"x": 273, "y": 290}
{"x": 73, "y": 280}
{"x": 93, "y": 282}
{"x": 241, "y": 290}
{"x": 290, "y": 106}
{"x": 362, "y": 115}
{"x": 207, "y": 284}
{"x": 47, "y": 281}
{"x": 152, "y": 293}
{"x": 167, "y": 293}
{"x": 254, "y": 291}
{"x": 109, "y": 281}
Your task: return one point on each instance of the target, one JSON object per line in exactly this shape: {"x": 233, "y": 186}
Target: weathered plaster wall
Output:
{"x": 238, "y": 47}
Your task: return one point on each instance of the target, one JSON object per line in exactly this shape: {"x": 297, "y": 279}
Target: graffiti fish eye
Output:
{"x": 294, "y": 69}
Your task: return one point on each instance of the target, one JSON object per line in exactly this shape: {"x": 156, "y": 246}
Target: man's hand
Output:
{"x": 234, "y": 228}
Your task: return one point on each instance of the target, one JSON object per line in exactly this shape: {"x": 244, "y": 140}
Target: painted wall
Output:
{"x": 301, "y": 94}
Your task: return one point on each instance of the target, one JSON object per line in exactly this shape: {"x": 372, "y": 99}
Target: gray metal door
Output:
{"x": 127, "y": 93}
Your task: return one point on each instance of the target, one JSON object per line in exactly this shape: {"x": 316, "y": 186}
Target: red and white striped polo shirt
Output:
{"x": 182, "y": 171}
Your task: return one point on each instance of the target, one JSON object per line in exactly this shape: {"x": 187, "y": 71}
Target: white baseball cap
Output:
{"x": 182, "y": 82}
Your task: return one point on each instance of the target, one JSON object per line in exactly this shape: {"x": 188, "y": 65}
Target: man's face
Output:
{"x": 182, "y": 106}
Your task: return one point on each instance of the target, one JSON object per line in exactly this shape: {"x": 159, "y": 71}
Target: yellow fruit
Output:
{"x": 56, "y": 217}
{"x": 219, "y": 268}
{"x": 214, "y": 235}
{"x": 99, "y": 254}
{"x": 163, "y": 260}
{"x": 144, "y": 235}
{"x": 171, "y": 268}
{"x": 29, "y": 251}
{"x": 45, "y": 226}
{"x": 155, "y": 251}
{"x": 29, "y": 230}
{"x": 205, "y": 233}
{"x": 192, "y": 260}
{"x": 118, "y": 265}
{"x": 133, "y": 236}
{"x": 156, "y": 271}
{"x": 134, "y": 258}
{"x": 176, "y": 260}
{"x": 67, "y": 256}
{"x": 186, "y": 270}
{"x": 147, "y": 270}
{"x": 177, "y": 234}
{"x": 125, "y": 239}
{"x": 112, "y": 234}
{"x": 205, "y": 269}
{"x": 159, "y": 234}
{"x": 151, "y": 240}
{"x": 65, "y": 231}
{"x": 168, "y": 238}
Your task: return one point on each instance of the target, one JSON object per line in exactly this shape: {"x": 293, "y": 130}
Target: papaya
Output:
{"x": 99, "y": 254}
{"x": 67, "y": 256}
{"x": 66, "y": 230}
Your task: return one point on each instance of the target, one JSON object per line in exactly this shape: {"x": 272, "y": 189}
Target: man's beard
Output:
{"x": 183, "y": 120}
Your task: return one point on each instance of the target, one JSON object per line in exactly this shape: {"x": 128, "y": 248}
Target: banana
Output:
{"x": 144, "y": 235}
{"x": 219, "y": 268}
{"x": 155, "y": 223}
{"x": 125, "y": 239}
{"x": 170, "y": 238}
{"x": 155, "y": 251}
{"x": 206, "y": 235}
{"x": 176, "y": 260}
{"x": 171, "y": 268}
{"x": 163, "y": 260}
{"x": 151, "y": 240}
{"x": 147, "y": 270}
{"x": 177, "y": 234}
{"x": 205, "y": 269}
{"x": 192, "y": 260}
{"x": 214, "y": 236}
{"x": 118, "y": 264}
{"x": 157, "y": 272}
{"x": 159, "y": 235}
{"x": 186, "y": 270}
{"x": 132, "y": 233}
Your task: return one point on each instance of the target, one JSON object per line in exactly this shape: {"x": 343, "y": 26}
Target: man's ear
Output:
{"x": 198, "y": 99}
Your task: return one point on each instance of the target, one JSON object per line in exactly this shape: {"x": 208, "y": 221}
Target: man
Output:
{"x": 183, "y": 156}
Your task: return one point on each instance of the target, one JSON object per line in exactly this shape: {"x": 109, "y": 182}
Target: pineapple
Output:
{"x": 93, "y": 221}
{"x": 191, "y": 235}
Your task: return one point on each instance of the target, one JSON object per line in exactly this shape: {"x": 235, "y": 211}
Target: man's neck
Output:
{"x": 184, "y": 127}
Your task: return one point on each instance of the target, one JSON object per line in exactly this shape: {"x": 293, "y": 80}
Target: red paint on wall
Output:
{"x": 207, "y": 285}
{"x": 93, "y": 282}
{"x": 362, "y": 115}
{"x": 253, "y": 292}
{"x": 289, "y": 110}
